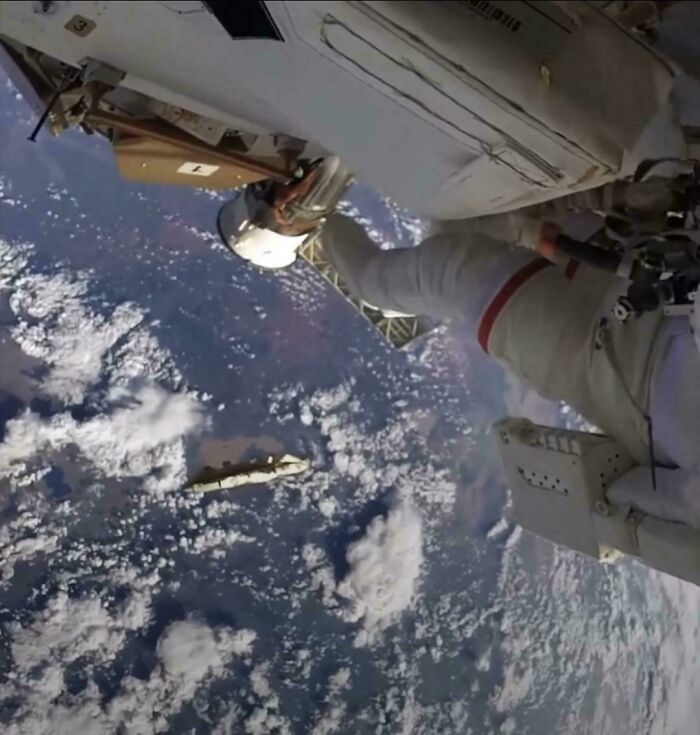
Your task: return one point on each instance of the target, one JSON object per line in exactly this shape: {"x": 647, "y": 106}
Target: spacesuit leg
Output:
{"x": 451, "y": 275}
{"x": 537, "y": 319}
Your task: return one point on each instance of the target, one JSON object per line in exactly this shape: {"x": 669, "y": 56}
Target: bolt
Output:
{"x": 44, "y": 7}
{"x": 623, "y": 309}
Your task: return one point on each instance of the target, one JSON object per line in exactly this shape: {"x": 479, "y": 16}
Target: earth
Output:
{"x": 386, "y": 590}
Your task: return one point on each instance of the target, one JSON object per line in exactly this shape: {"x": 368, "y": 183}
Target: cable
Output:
{"x": 652, "y": 458}
{"x": 191, "y": 11}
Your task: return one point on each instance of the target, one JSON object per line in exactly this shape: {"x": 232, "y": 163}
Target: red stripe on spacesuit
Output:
{"x": 571, "y": 268}
{"x": 503, "y": 296}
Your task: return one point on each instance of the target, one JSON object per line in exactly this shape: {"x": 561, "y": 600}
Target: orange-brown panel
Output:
{"x": 157, "y": 162}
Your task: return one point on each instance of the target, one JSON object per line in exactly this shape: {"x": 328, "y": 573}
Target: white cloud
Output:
{"x": 331, "y": 720}
{"x": 322, "y": 574}
{"x": 66, "y": 631}
{"x": 135, "y": 428}
{"x": 189, "y": 651}
{"x": 334, "y": 710}
{"x": 189, "y": 655}
{"x": 139, "y": 434}
{"x": 140, "y": 429}
{"x": 636, "y": 629}
{"x": 265, "y": 719}
{"x": 385, "y": 565}
{"x": 373, "y": 461}
{"x": 56, "y": 326}
{"x": 31, "y": 532}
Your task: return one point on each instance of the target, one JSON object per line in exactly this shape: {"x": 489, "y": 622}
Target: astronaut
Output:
{"x": 551, "y": 325}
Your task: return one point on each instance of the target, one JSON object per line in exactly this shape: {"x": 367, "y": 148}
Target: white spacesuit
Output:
{"x": 550, "y": 326}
